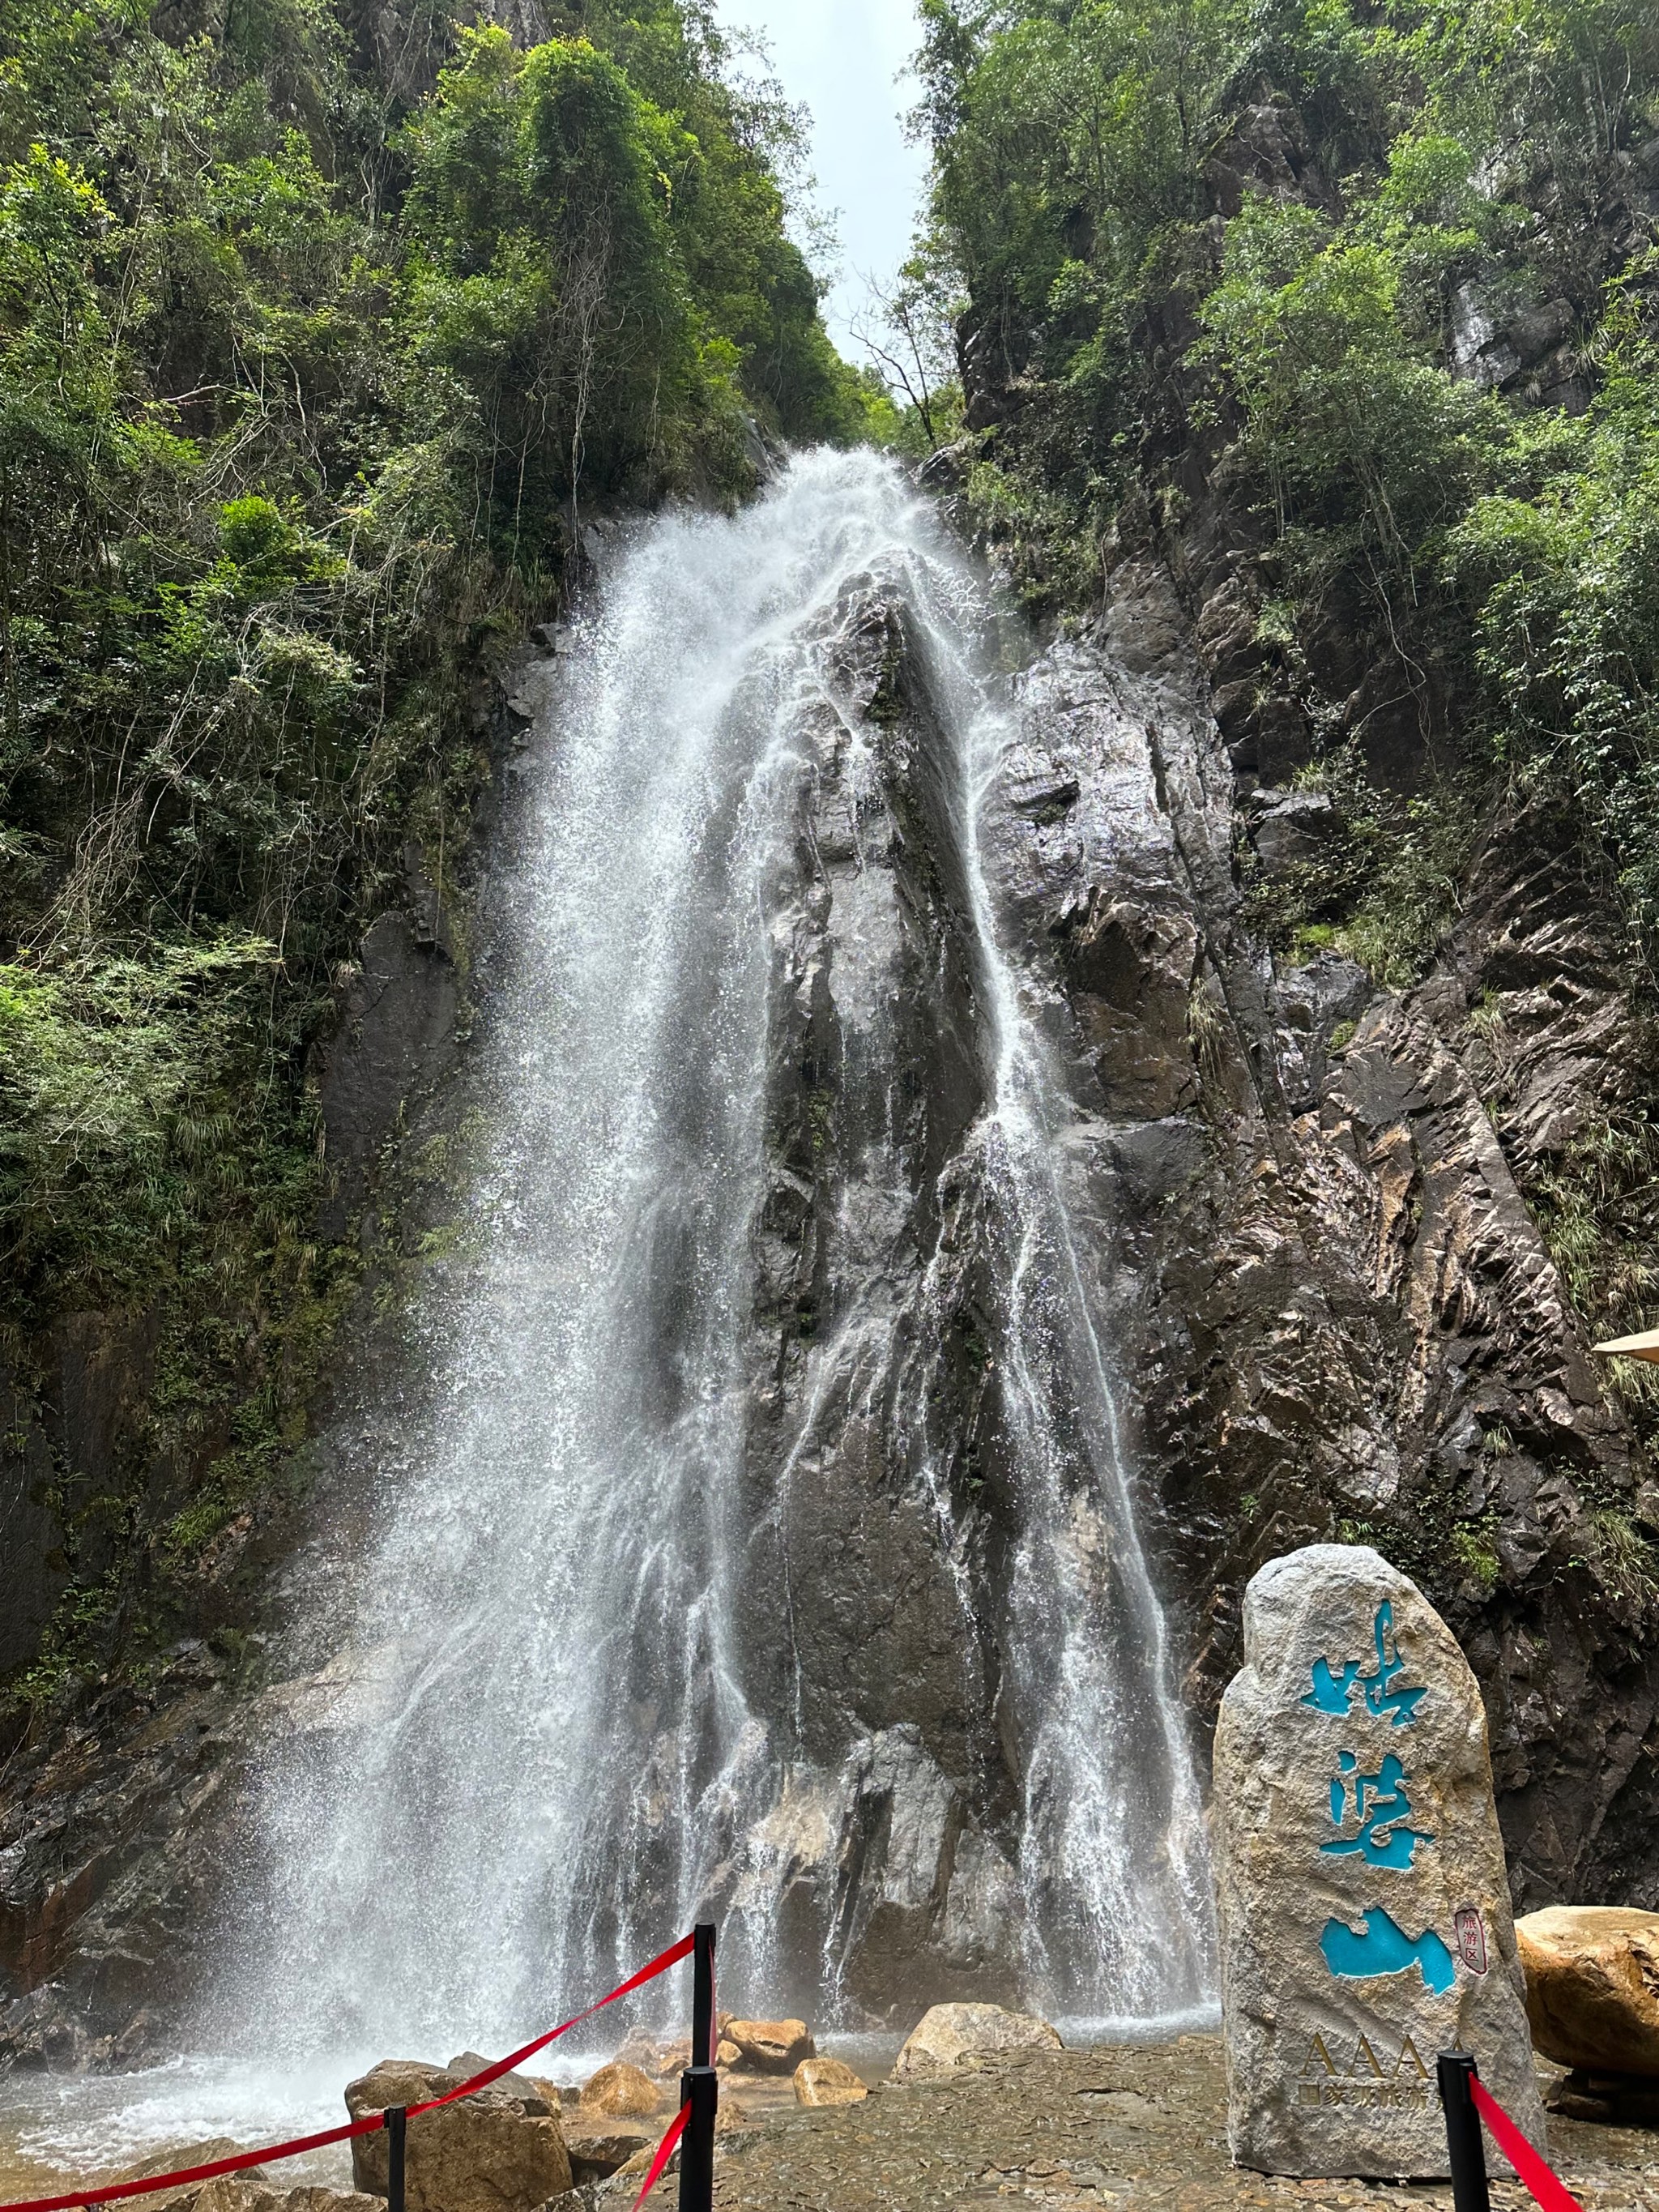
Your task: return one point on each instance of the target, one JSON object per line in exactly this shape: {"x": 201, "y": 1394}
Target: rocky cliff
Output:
{"x": 1331, "y": 1313}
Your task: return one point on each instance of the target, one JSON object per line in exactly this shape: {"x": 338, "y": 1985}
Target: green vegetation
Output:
{"x": 318, "y": 332}
{"x": 1306, "y": 242}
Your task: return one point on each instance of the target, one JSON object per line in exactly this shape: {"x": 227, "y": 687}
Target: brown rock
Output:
{"x": 552, "y": 2094}
{"x": 494, "y": 2152}
{"x": 640, "y": 2050}
{"x": 771, "y": 2046}
{"x": 251, "y": 2192}
{"x": 622, "y": 2087}
{"x": 662, "y": 2061}
{"x": 600, "y": 2144}
{"x": 327, "y": 2200}
{"x": 942, "y": 2038}
{"x": 1616, "y": 2101}
{"x": 527, "y": 2086}
{"x": 227, "y": 2192}
{"x": 827, "y": 2082}
{"x": 185, "y": 2155}
{"x": 727, "y": 2053}
{"x": 246, "y": 2191}
{"x": 1593, "y": 1986}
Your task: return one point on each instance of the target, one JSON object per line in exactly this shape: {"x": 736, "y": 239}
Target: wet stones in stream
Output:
{"x": 1118, "y": 2126}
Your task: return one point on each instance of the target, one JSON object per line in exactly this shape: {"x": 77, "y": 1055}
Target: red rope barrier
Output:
{"x": 664, "y": 2152}
{"x": 366, "y": 2125}
{"x": 1548, "y": 2189}
{"x": 661, "y": 1964}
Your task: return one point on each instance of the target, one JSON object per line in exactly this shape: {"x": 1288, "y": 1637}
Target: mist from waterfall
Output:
{"x": 566, "y": 1757}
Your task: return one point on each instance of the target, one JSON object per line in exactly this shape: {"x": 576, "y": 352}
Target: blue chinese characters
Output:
{"x": 1331, "y": 1693}
{"x": 1379, "y": 1805}
{"x": 1383, "y": 1947}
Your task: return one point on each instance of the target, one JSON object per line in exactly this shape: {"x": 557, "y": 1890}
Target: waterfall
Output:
{"x": 582, "y": 1699}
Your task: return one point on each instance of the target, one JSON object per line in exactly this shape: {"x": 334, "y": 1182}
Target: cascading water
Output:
{"x": 598, "y": 1706}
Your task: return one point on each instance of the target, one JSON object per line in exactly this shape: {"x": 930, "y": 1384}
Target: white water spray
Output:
{"x": 568, "y": 1755}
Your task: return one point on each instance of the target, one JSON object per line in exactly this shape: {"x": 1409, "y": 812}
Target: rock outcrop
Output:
{"x": 1349, "y": 1320}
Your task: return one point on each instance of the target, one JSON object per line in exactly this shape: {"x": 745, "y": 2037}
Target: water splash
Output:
{"x": 572, "y": 1751}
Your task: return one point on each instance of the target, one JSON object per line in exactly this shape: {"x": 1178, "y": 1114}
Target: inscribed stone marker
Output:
{"x": 1360, "y": 1879}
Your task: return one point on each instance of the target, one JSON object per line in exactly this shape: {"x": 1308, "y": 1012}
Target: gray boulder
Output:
{"x": 1362, "y": 1893}
{"x": 949, "y": 2033}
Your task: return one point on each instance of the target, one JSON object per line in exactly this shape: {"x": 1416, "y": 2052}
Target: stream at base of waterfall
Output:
{"x": 750, "y": 1534}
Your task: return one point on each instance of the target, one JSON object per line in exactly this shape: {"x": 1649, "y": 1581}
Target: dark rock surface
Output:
{"x": 65, "y": 1437}
{"x": 395, "y": 1044}
{"x": 1352, "y": 1324}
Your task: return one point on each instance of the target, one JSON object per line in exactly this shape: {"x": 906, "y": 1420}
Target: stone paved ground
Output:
{"x": 1069, "y": 2130}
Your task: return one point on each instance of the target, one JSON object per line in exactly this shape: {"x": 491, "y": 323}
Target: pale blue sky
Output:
{"x": 842, "y": 57}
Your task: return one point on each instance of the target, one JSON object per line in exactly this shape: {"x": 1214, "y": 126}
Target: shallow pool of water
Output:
{"x": 57, "y": 2130}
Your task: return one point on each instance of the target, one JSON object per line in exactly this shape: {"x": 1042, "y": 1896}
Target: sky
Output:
{"x": 842, "y": 59}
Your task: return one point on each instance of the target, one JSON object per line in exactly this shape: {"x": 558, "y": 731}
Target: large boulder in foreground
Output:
{"x": 942, "y": 2038}
{"x": 494, "y": 2152}
{"x": 1362, "y": 1894}
{"x": 1593, "y": 1986}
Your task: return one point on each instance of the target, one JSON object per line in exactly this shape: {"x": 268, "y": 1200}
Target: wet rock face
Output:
{"x": 1346, "y": 1318}
{"x": 869, "y": 1359}
{"x": 396, "y": 1041}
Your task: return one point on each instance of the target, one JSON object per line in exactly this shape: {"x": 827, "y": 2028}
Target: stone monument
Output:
{"x": 1363, "y": 1900}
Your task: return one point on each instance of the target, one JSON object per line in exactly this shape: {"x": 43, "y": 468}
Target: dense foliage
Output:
{"x": 1145, "y": 270}
{"x": 1356, "y": 304}
{"x": 319, "y": 329}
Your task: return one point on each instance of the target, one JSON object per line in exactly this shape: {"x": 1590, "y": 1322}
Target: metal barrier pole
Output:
{"x": 397, "y": 2129}
{"x": 1466, "y": 2146}
{"x": 700, "y": 2084}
